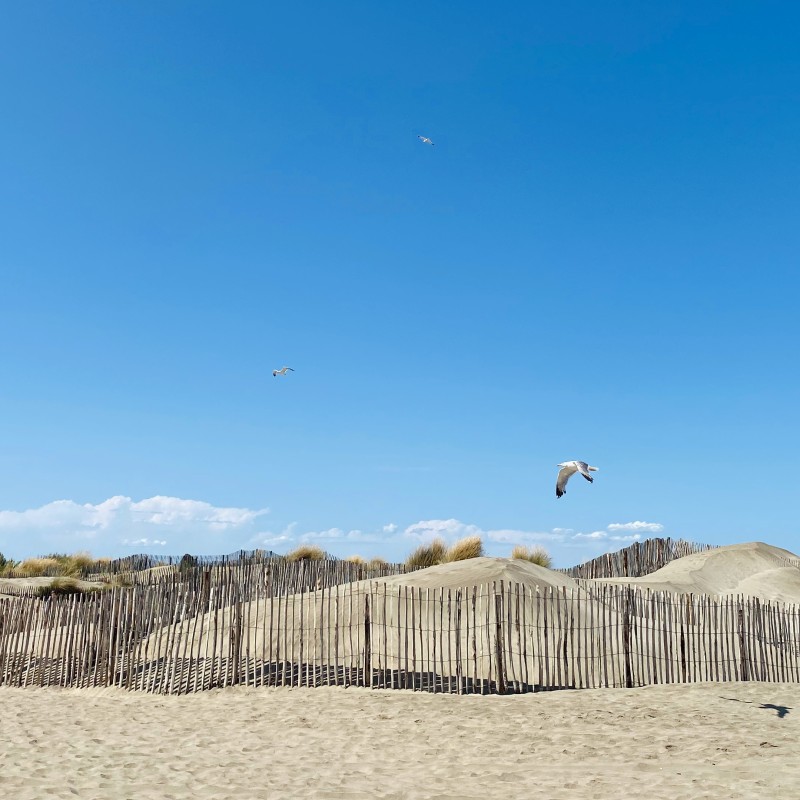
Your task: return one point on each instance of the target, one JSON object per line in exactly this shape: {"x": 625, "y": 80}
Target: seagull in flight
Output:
{"x": 281, "y": 371}
{"x": 425, "y": 140}
{"x": 568, "y": 469}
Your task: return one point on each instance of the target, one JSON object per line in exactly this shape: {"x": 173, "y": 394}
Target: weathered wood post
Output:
{"x": 367, "y": 642}
{"x": 498, "y": 639}
{"x": 237, "y": 633}
{"x": 626, "y": 636}
{"x": 742, "y": 643}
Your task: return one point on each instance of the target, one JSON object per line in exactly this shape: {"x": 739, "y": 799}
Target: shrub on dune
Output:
{"x": 536, "y": 555}
{"x": 306, "y": 552}
{"x": 427, "y": 555}
{"x": 356, "y": 560}
{"x": 377, "y": 563}
{"x": 60, "y": 586}
{"x": 36, "y": 567}
{"x": 468, "y": 547}
{"x": 74, "y": 564}
{"x": 6, "y": 564}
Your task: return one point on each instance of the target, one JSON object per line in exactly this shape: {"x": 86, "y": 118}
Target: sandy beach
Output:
{"x": 733, "y": 740}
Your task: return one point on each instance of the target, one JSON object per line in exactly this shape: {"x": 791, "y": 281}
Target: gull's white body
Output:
{"x": 281, "y": 371}
{"x": 568, "y": 469}
{"x": 425, "y": 140}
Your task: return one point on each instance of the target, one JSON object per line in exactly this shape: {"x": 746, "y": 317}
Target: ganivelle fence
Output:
{"x": 638, "y": 559}
{"x": 244, "y": 626}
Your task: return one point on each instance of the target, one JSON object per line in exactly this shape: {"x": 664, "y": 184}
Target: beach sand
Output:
{"x": 732, "y": 740}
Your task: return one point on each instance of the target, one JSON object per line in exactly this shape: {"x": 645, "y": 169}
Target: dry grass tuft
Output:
{"x": 55, "y": 564}
{"x": 377, "y": 563}
{"x": 306, "y": 552}
{"x": 356, "y": 560}
{"x": 427, "y": 555}
{"x": 536, "y": 555}
{"x": 36, "y": 567}
{"x": 61, "y": 586}
{"x": 468, "y": 547}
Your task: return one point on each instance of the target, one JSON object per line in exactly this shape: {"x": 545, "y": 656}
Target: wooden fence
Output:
{"x": 636, "y": 560}
{"x": 144, "y": 567}
{"x": 183, "y": 637}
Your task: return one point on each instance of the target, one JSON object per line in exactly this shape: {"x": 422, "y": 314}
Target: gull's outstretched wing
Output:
{"x": 583, "y": 468}
{"x": 563, "y": 477}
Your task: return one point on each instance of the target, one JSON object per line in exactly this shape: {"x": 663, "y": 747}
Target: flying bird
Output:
{"x": 568, "y": 469}
{"x": 425, "y": 140}
{"x": 281, "y": 371}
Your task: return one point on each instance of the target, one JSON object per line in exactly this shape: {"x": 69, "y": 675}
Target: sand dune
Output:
{"x": 481, "y": 571}
{"x": 13, "y": 586}
{"x": 715, "y": 741}
{"x": 755, "y": 569}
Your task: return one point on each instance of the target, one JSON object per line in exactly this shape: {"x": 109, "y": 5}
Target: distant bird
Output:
{"x": 425, "y": 140}
{"x": 281, "y": 371}
{"x": 568, "y": 469}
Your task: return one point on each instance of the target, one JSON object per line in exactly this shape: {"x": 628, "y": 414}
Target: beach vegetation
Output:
{"x": 64, "y": 565}
{"x": 427, "y": 555}
{"x": 535, "y": 554}
{"x": 463, "y": 549}
{"x": 306, "y": 552}
{"x": 62, "y": 586}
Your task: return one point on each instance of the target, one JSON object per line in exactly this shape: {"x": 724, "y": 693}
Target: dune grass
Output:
{"x": 66, "y": 565}
{"x": 306, "y": 552}
{"x": 66, "y": 586}
{"x": 535, "y": 554}
{"x": 427, "y": 555}
{"x": 468, "y": 547}
{"x": 377, "y": 563}
{"x": 437, "y": 552}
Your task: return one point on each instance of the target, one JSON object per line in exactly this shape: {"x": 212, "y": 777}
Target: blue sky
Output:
{"x": 597, "y": 260}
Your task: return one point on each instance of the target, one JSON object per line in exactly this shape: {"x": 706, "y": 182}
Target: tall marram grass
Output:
{"x": 306, "y": 552}
{"x": 536, "y": 555}
{"x": 437, "y": 552}
{"x": 64, "y": 565}
{"x": 62, "y": 586}
{"x": 427, "y": 555}
{"x": 468, "y": 547}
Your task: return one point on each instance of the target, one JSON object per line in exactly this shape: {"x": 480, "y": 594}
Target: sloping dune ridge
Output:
{"x": 480, "y": 571}
{"x": 754, "y": 568}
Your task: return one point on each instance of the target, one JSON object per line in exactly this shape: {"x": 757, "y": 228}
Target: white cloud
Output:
{"x": 452, "y": 529}
{"x": 337, "y": 534}
{"x": 168, "y": 510}
{"x": 144, "y": 542}
{"x": 446, "y": 528}
{"x": 120, "y": 520}
{"x": 119, "y": 523}
{"x": 650, "y": 527}
{"x": 592, "y": 535}
{"x": 634, "y": 538}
